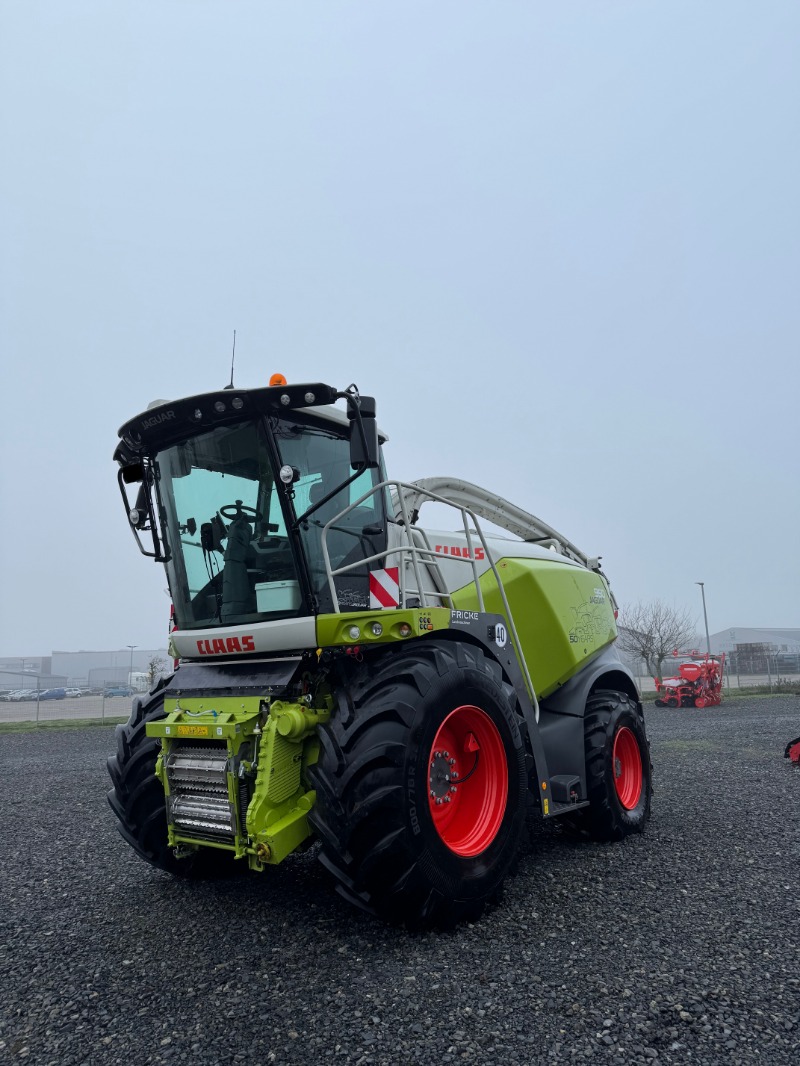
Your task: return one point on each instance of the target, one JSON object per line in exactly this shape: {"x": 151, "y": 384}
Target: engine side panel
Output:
{"x": 563, "y": 615}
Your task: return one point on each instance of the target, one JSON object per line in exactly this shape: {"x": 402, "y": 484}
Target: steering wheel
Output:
{"x": 238, "y": 510}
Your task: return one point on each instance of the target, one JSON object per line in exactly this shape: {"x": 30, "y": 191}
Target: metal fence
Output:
{"x": 36, "y": 707}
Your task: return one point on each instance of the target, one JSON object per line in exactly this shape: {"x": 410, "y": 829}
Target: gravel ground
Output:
{"x": 678, "y": 946}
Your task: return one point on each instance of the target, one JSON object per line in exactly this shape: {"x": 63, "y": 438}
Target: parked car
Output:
{"x": 53, "y": 694}
{"x": 18, "y": 694}
{"x": 73, "y": 692}
{"x": 118, "y": 690}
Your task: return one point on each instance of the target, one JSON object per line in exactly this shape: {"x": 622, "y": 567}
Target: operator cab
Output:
{"x": 243, "y": 509}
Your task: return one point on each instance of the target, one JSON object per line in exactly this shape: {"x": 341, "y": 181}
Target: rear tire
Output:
{"x": 618, "y": 769}
{"x": 137, "y": 796}
{"x": 385, "y": 760}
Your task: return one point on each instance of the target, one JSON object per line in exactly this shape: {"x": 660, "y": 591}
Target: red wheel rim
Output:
{"x": 467, "y": 781}
{"x": 627, "y": 768}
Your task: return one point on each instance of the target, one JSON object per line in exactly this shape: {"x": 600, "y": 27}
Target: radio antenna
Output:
{"x": 233, "y": 356}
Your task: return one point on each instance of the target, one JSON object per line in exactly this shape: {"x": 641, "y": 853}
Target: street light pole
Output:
{"x": 705, "y": 616}
{"x": 130, "y": 671}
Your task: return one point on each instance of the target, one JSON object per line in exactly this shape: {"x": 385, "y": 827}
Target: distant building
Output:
{"x": 759, "y": 651}
{"x": 96, "y": 669}
{"x": 83, "y": 669}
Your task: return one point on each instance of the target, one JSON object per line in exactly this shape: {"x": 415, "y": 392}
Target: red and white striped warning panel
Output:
{"x": 384, "y": 588}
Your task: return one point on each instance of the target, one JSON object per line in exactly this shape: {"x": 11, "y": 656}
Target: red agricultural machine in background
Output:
{"x": 697, "y": 684}
{"x": 793, "y": 751}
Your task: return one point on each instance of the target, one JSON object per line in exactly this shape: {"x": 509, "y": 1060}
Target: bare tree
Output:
{"x": 155, "y": 668}
{"x": 652, "y": 631}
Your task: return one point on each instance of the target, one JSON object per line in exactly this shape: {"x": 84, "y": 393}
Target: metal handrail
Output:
{"x": 419, "y": 555}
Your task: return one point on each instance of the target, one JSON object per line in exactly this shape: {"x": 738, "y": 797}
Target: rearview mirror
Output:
{"x": 364, "y": 448}
{"x": 133, "y": 473}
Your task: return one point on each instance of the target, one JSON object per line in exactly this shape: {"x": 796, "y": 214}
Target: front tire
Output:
{"x": 421, "y": 785}
{"x": 618, "y": 769}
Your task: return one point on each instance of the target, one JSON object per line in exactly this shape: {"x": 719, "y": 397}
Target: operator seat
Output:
{"x": 238, "y": 591}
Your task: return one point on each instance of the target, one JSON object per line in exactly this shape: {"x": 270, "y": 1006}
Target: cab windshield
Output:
{"x": 321, "y": 457}
{"x": 234, "y": 555}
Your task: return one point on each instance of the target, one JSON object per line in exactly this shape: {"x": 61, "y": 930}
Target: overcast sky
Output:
{"x": 559, "y": 242}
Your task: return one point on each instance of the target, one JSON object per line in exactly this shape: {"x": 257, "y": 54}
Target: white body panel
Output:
{"x": 495, "y": 509}
{"x": 285, "y": 634}
{"x": 451, "y": 564}
{"x": 452, "y": 553}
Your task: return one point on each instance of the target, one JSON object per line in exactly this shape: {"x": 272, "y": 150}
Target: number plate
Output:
{"x": 193, "y": 731}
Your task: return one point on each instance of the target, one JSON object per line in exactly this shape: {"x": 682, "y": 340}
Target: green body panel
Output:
{"x": 277, "y": 819}
{"x": 563, "y": 615}
{"x": 267, "y": 748}
{"x": 208, "y": 718}
{"x": 334, "y": 629}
